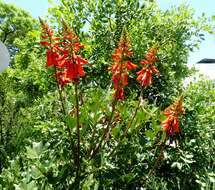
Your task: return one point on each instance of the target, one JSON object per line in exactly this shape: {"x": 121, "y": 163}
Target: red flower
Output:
{"x": 151, "y": 55}
{"x": 45, "y": 43}
{"x": 176, "y": 108}
{"x": 129, "y": 65}
{"x": 74, "y": 68}
{"x": 51, "y": 58}
{"x": 62, "y": 78}
{"x": 145, "y": 77}
{"x": 62, "y": 53}
{"x": 120, "y": 80}
{"x": 145, "y": 74}
{"x": 171, "y": 124}
{"x": 122, "y": 65}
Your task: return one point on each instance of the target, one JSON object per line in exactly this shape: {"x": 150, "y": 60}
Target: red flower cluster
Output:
{"x": 62, "y": 53}
{"x": 122, "y": 65}
{"x": 171, "y": 124}
{"x": 145, "y": 74}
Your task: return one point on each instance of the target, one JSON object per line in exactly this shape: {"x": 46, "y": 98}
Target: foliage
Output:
{"x": 101, "y": 141}
{"x": 99, "y": 25}
{"x": 16, "y": 84}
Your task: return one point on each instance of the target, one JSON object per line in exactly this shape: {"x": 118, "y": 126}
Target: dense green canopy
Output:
{"x": 40, "y": 144}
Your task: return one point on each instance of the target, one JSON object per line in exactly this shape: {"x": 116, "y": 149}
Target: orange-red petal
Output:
{"x": 130, "y": 65}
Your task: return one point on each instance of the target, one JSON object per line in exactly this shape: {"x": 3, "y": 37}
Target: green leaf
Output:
{"x": 187, "y": 160}
{"x": 71, "y": 121}
{"x": 150, "y": 134}
{"x": 31, "y": 153}
{"x": 115, "y": 131}
{"x": 177, "y": 164}
{"x": 36, "y": 173}
{"x": 212, "y": 179}
{"x": 29, "y": 186}
{"x": 38, "y": 147}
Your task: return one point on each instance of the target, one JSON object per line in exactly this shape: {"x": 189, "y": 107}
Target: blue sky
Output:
{"x": 35, "y": 7}
{"x": 207, "y": 48}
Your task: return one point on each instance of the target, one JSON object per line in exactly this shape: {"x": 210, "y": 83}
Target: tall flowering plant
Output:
{"x": 144, "y": 76}
{"x": 170, "y": 126}
{"x": 62, "y": 54}
{"x": 120, "y": 73}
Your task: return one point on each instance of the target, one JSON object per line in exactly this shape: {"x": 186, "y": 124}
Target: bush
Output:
{"x": 73, "y": 131}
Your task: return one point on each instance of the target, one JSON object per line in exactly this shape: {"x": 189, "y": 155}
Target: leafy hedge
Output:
{"x": 39, "y": 142}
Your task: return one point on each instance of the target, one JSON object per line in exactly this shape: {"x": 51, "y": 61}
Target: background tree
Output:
{"x": 15, "y": 23}
{"x": 16, "y": 91}
{"x": 39, "y": 151}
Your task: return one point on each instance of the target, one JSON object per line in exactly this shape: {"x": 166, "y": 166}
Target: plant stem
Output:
{"x": 78, "y": 130}
{"x": 134, "y": 115}
{"x": 106, "y": 130}
{"x": 159, "y": 158}
{"x": 60, "y": 93}
{"x": 129, "y": 124}
{"x": 63, "y": 110}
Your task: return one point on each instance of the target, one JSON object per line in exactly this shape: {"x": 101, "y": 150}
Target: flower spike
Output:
{"x": 122, "y": 65}
{"x": 171, "y": 124}
{"x": 145, "y": 74}
{"x": 62, "y": 53}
